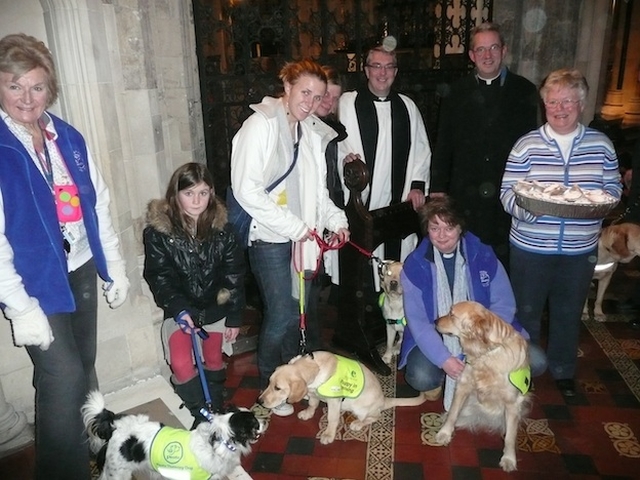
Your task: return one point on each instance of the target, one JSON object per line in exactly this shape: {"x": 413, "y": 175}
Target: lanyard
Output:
{"x": 46, "y": 164}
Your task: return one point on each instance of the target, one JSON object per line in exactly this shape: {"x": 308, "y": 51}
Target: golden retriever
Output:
{"x": 618, "y": 243}
{"x": 312, "y": 375}
{"x": 488, "y": 392}
{"x": 392, "y": 307}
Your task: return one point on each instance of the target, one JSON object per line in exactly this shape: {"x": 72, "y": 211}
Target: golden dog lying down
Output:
{"x": 491, "y": 393}
{"x": 342, "y": 383}
{"x": 618, "y": 243}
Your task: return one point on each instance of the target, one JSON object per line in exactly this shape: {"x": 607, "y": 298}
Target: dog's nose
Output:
{"x": 393, "y": 285}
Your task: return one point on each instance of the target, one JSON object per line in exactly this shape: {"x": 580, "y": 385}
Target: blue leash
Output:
{"x": 206, "y": 412}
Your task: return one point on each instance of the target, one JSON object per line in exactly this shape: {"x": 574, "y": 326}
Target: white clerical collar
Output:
{"x": 489, "y": 81}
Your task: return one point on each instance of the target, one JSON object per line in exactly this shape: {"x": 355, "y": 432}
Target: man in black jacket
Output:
{"x": 482, "y": 115}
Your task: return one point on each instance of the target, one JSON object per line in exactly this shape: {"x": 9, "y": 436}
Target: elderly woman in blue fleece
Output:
{"x": 449, "y": 266}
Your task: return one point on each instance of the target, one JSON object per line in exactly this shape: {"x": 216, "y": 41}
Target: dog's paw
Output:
{"x": 599, "y": 317}
{"x": 386, "y": 358}
{"x": 356, "y": 425}
{"x": 326, "y": 438}
{"x": 508, "y": 463}
{"x": 306, "y": 414}
{"x": 443, "y": 437}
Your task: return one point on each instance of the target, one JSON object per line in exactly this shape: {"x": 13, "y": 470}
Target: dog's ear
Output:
{"x": 620, "y": 244}
{"x": 298, "y": 389}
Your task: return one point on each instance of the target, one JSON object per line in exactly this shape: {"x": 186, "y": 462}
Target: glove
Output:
{"x": 31, "y": 326}
{"x": 116, "y": 291}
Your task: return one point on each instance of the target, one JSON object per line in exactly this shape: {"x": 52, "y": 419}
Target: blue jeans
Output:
{"x": 279, "y": 333}
{"x": 563, "y": 281}
{"x": 62, "y": 377}
{"x": 422, "y": 375}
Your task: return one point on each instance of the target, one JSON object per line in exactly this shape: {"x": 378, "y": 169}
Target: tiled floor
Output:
{"x": 593, "y": 435}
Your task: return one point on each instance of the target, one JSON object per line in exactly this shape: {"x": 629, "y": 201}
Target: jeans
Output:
{"x": 422, "y": 375}
{"x": 563, "y": 281}
{"x": 62, "y": 377}
{"x": 279, "y": 334}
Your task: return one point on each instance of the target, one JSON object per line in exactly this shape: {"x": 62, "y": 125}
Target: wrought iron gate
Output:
{"x": 241, "y": 45}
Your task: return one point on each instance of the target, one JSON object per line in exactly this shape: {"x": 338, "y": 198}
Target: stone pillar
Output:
{"x": 14, "y": 430}
{"x": 613, "y": 107}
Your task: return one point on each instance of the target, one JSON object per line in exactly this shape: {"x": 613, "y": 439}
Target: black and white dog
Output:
{"x": 128, "y": 443}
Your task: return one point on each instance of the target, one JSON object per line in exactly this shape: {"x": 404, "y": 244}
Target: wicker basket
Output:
{"x": 565, "y": 210}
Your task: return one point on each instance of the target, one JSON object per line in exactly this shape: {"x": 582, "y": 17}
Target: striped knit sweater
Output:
{"x": 536, "y": 156}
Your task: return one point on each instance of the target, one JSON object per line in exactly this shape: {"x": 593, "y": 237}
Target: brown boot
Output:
{"x": 433, "y": 395}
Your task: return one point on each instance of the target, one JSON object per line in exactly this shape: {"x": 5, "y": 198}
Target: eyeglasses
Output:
{"x": 377, "y": 67}
{"x": 495, "y": 48}
{"x": 566, "y": 103}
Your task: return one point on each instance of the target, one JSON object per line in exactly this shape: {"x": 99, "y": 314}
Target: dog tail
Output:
{"x": 405, "y": 402}
{"x": 97, "y": 420}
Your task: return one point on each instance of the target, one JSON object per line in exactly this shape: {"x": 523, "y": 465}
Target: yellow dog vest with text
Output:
{"x": 170, "y": 452}
{"x": 347, "y": 381}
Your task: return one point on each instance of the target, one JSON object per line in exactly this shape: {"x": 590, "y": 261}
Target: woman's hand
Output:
{"x": 339, "y": 237}
{"x": 453, "y": 367}
{"x": 308, "y": 235}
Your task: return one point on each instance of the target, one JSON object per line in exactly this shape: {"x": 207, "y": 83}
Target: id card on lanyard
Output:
{"x": 66, "y": 197}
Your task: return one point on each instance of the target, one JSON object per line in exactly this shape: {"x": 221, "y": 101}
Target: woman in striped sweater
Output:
{"x": 553, "y": 258}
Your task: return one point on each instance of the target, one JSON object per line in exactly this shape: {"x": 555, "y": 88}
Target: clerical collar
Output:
{"x": 449, "y": 255}
{"x": 487, "y": 82}
{"x": 381, "y": 99}
{"x": 502, "y": 75}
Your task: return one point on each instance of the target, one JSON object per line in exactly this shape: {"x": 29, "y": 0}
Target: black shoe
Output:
{"x": 635, "y": 323}
{"x": 567, "y": 387}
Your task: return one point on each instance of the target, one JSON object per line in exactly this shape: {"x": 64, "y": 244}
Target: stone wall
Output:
{"x": 128, "y": 82}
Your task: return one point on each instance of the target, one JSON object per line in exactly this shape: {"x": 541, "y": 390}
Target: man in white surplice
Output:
{"x": 386, "y": 131}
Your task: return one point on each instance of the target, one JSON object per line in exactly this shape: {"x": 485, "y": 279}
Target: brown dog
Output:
{"x": 617, "y": 244}
{"x": 344, "y": 384}
{"x": 392, "y": 307}
{"x": 491, "y": 393}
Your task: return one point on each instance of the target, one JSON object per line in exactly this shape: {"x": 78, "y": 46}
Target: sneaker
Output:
{"x": 283, "y": 410}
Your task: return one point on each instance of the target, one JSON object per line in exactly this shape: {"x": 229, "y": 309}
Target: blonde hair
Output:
{"x": 20, "y": 53}
{"x": 565, "y": 78}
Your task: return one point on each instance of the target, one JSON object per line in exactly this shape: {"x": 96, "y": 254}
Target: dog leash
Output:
{"x": 298, "y": 265}
{"x": 206, "y": 412}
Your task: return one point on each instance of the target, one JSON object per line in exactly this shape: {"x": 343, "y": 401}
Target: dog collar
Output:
{"x": 391, "y": 321}
{"x": 521, "y": 379}
{"x": 397, "y": 321}
{"x": 229, "y": 445}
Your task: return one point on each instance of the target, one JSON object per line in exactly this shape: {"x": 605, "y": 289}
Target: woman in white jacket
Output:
{"x": 280, "y": 132}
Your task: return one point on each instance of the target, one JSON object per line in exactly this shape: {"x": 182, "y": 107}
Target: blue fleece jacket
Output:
{"x": 32, "y": 227}
{"x": 488, "y": 284}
